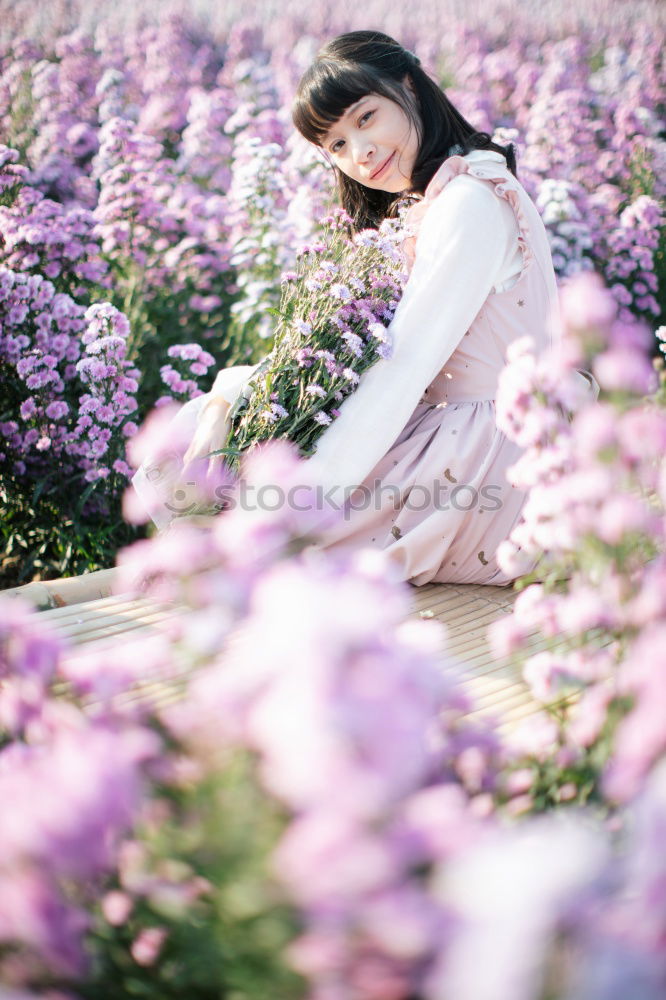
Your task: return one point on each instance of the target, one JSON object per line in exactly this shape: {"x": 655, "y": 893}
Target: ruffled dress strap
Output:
{"x": 492, "y": 168}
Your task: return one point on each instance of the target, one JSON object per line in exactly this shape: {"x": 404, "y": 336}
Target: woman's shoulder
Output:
{"x": 477, "y": 188}
{"x": 466, "y": 193}
{"x": 471, "y": 163}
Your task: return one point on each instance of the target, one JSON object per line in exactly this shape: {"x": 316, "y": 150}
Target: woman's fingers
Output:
{"x": 211, "y": 430}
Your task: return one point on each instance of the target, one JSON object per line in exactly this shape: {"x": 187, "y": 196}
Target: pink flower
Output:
{"x": 318, "y": 951}
{"x": 588, "y": 716}
{"x": 621, "y": 515}
{"x": 641, "y": 735}
{"x": 546, "y": 673}
{"x": 625, "y": 370}
{"x": 535, "y": 610}
{"x": 594, "y": 429}
{"x": 423, "y": 812}
{"x": 520, "y": 781}
{"x": 116, "y": 907}
{"x": 152, "y": 442}
{"x": 327, "y": 856}
{"x": 536, "y": 736}
{"x": 506, "y": 635}
{"x": 509, "y": 892}
{"x": 586, "y": 303}
{"x": 642, "y": 433}
{"x": 147, "y": 945}
{"x": 582, "y": 609}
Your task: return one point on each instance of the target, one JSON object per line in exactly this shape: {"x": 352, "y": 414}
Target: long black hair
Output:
{"x": 364, "y": 62}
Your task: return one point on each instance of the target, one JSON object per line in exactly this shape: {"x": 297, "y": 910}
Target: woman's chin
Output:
{"x": 394, "y": 186}
{"x": 398, "y": 188}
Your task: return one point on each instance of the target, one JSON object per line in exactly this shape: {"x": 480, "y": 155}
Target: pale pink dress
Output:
{"x": 415, "y": 452}
{"x": 486, "y": 278}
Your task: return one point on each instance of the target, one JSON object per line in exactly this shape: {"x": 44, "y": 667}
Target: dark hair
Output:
{"x": 363, "y": 62}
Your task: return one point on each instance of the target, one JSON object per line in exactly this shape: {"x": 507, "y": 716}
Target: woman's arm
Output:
{"x": 465, "y": 237}
{"x": 212, "y": 426}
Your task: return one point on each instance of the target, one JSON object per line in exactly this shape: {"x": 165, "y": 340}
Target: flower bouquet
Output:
{"x": 331, "y": 327}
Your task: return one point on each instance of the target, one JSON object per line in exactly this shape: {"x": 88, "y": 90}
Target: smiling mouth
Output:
{"x": 383, "y": 167}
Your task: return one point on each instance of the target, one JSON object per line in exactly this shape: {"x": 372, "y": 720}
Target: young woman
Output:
{"x": 415, "y": 460}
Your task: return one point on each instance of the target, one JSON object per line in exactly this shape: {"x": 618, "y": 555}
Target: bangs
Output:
{"x": 325, "y": 93}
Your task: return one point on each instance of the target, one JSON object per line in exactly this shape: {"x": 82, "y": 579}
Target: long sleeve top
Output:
{"x": 467, "y": 247}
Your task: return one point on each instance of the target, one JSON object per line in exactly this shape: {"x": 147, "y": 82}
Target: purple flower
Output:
{"x": 522, "y": 880}
{"x": 354, "y": 343}
{"x": 57, "y": 410}
{"x": 72, "y": 800}
{"x": 187, "y": 352}
{"x": 112, "y": 345}
{"x": 378, "y": 331}
{"x": 29, "y": 408}
{"x": 38, "y": 380}
{"x": 303, "y": 357}
{"x": 27, "y": 647}
{"x": 625, "y": 370}
{"x": 341, "y": 292}
{"x": 17, "y": 315}
{"x": 640, "y": 737}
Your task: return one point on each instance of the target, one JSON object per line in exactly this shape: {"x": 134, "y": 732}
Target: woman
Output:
{"x": 415, "y": 460}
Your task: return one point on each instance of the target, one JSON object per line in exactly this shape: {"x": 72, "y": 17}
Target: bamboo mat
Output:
{"x": 495, "y": 686}
{"x": 466, "y": 610}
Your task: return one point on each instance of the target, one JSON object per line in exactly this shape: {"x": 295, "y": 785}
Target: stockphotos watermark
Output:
{"x": 185, "y": 499}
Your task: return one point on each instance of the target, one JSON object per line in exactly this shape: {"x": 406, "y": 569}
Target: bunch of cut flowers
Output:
{"x": 331, "y": 327}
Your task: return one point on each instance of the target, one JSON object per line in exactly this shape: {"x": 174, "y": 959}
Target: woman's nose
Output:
{"x": 362, "y": 152}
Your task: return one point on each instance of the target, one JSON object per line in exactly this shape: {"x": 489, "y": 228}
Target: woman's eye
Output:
{"x": 335, "y": 148}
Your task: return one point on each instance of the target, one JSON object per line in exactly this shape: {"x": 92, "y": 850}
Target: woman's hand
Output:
{"x": 211, "y": 432}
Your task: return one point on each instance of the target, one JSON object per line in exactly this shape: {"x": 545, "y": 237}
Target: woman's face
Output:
{"x": 374, "y": 143}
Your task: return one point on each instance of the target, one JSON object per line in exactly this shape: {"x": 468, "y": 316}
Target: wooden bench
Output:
{"x": 85, "y": 612}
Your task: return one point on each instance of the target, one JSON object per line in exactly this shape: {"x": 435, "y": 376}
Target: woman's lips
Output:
{"x": 381, "y": 170}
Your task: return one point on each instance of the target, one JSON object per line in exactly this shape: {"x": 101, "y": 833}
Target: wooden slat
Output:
{"x": 67, "y": 590}
{"x": 109, "y": 617}
{"x": 496, "y": 686}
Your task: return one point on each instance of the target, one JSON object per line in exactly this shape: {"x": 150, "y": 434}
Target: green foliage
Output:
{"x": 577, "y": 783}
{"x": 642, "y": 174}
{"x": 641, "y": 182}
{"x": 44, "y": 537}
{"x": 227, "y": 943}
{"x": 597, "y": 59}
{"x": 159, "y": 322}
{"x": 660, "y": 272}
{"x": 22, "y": 130}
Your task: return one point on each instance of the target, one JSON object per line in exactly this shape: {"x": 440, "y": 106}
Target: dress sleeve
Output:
{"x": 465, "y": 237}
{"x": 229, "y": 381}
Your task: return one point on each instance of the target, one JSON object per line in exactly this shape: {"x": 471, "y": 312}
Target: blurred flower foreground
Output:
{"x": 286, "y": 794}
